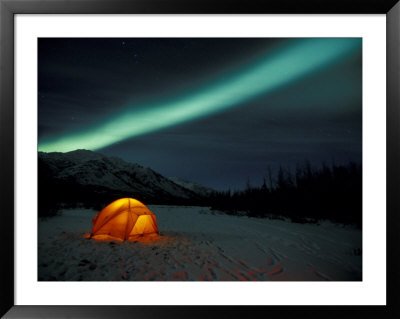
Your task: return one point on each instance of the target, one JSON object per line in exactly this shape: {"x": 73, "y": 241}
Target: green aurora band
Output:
{"x": 285, "y": 65}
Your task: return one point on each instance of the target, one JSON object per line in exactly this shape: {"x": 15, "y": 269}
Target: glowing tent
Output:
{"x": 124, "y": 219}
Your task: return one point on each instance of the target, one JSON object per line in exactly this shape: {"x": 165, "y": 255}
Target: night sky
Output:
{"x": 213, "y": 111}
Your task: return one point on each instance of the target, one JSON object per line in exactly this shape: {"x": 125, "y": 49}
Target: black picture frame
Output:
{"x": 9, "y": 8}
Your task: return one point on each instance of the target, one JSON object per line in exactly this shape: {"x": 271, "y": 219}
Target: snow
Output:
{"x": 199, "y": 244}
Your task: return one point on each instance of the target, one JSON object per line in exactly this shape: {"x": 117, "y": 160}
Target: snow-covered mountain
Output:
{"x": 99, "y": 173}
{"x": 197, "y": 188}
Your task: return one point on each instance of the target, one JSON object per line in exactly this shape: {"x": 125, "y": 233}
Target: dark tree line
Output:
{"x": 306, "y": 194}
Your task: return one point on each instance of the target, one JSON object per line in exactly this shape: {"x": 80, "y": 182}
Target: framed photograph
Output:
{"x": 176, "y": 159}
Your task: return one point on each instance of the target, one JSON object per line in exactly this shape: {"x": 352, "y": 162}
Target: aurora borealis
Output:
{"x": 215, "y": 111}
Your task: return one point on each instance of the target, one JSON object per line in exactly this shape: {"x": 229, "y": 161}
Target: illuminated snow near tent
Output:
{"x": 198, "y": 244}
{"x": 124, "y": 219}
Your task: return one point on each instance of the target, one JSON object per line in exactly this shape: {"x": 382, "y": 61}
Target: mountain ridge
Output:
{"x": 92, "y": 179}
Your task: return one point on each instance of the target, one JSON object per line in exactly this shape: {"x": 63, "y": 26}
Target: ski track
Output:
{"x": 196, "y": 245}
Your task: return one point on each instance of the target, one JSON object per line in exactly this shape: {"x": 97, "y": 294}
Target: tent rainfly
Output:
{"x": 124, "y": 219}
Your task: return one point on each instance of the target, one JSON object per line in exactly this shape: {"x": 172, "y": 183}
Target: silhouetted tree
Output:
{"x": 308, "y": 195}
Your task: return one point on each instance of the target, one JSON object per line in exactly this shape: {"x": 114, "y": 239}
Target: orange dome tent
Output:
{"x": 123, "y": 219}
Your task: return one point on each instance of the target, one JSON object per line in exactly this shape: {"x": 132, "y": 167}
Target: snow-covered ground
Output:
{"x": 197, "y": 244}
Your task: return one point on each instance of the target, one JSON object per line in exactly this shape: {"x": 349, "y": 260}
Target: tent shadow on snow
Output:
{"x": 125, "y": 219}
